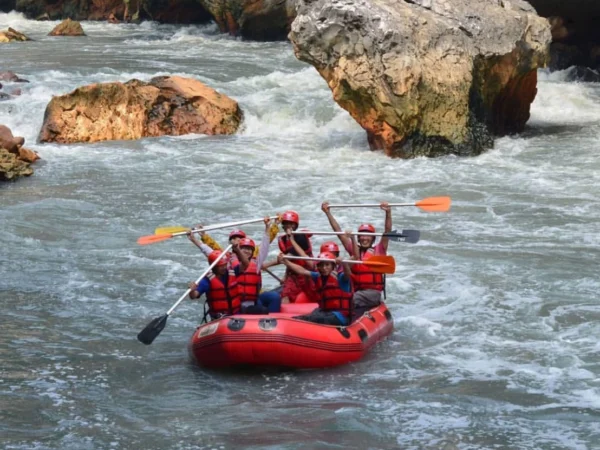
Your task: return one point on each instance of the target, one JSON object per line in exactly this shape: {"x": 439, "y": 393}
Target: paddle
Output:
{"x": 430, "y": 204}
{"x": 153, "y": 329}
{"x": 410, "y": 236}
{"x": 273, "y": 275}
{"x": 378, "y": 263}
{"x": 154, "y": 238}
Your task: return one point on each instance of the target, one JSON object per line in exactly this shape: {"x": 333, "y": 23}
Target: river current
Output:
{"x": 496, "y": 308}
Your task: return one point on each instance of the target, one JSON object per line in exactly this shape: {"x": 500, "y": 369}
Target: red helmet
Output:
{"x": 247, "y": 242}
{"x": 290, "y": 216}
{"x": 329, "y": 246}
{"x": 237, "y": 233}
{"x": 367, "y": 228}
{"x": 325, "y": 255}
{"x": 212, "y": 257}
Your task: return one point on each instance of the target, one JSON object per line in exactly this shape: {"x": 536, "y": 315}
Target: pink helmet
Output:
{"x": 212, "y": 257}
{"x": 237, "y": 233}
{"x": 329, "y": 246}
{"x": 367, "y": 228}
{"x": 247, "y": 242}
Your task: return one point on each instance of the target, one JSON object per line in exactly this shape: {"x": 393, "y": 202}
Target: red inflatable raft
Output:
{"x": 279, "y": 340}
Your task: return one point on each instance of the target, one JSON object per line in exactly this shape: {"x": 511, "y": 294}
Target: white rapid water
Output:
{"x": 496, "y": 309}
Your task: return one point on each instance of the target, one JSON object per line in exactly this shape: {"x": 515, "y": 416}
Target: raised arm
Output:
{"x": 206, "y": 249}
{"x": 345, "y": 265}
{"x": 388, "y": 224}
{"x": 293, "y": 267}
{"x": 355, "y": 254}
{"x": 335, "y": 225}
{"x": 208, "y": 240}
{"x": 262, "y": 251}
{"x": 268, "y": 264}
{"x": 296, "y": 246}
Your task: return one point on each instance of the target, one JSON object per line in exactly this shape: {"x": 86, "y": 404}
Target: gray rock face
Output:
{"x": 426, "y": 77}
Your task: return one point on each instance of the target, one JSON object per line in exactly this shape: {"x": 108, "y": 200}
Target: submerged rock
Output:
{"x": 12, "y": 35}
{"x": 67, "y": 27}
{"x": 11, "y": 76}
{"x": 11, "y": 167}
{"x": 426, "y": 78}
{"x": 15, "y": 160}
{"x": 164, "y": 106}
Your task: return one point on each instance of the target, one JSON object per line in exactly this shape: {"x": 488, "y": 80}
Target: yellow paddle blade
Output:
{"x": 154, "y": 238}
{"x": 434, "y": 204}
{"x": 175, "y": 229}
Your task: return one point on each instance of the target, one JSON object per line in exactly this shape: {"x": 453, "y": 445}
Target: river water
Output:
{"x": 496, "y": 308}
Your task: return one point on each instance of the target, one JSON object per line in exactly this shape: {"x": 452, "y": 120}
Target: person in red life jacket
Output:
{"x": 367, "y": 284}
{"x": 328, "y": 246}
{"x": 221, "y": 285}
{"x": 334, "y": 291}
{"x": 208, "y": 245}
{"x": 293, "y": 283}
{"x": 250, "y": 280}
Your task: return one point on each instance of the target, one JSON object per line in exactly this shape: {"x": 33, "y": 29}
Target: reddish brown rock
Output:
{"x": 164, "y": 106}
{"x": 253, "y": 19}
{"x": 12, "y": 35}
{"x": 8, "y": 141}
{"x": 28, "y": 155}
{"x": 67, "y": 27}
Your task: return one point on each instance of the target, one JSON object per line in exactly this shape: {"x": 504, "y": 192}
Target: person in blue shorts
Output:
{"x": 334, "y": 291}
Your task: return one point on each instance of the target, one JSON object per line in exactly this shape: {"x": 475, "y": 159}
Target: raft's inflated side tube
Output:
{"x": 279, "y": 340}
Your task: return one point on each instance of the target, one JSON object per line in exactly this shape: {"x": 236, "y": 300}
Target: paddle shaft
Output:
{"x": 223, "y": 225}
{"x": 273, "y": 275}
{"x": 342, "y": 233}
{"x": 308, "y": 258}
{"x": 367, "y": 205}
{"x": 199, "y": 279}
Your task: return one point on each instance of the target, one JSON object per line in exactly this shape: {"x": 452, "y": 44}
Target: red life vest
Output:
{"x": 287, "y": 248}
{"x": 332, "y": 297}
{"x": 249, "y": 283}
{"x": 232, "y": 260}
{"x": 223, "y": 299}
{"x": 362, "y": 276}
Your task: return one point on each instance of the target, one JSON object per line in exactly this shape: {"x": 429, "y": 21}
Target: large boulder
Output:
{"x": 164, "y": 106}
{"x": 426, "y": 77}
{"x": 67, "y": 27}
{"x": 253, "y": 19}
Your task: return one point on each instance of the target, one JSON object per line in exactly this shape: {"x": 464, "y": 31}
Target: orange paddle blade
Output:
{"x": 153, "y": 238}
{"x": 434, "y": 204}
{"x": 381, "y": 264}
